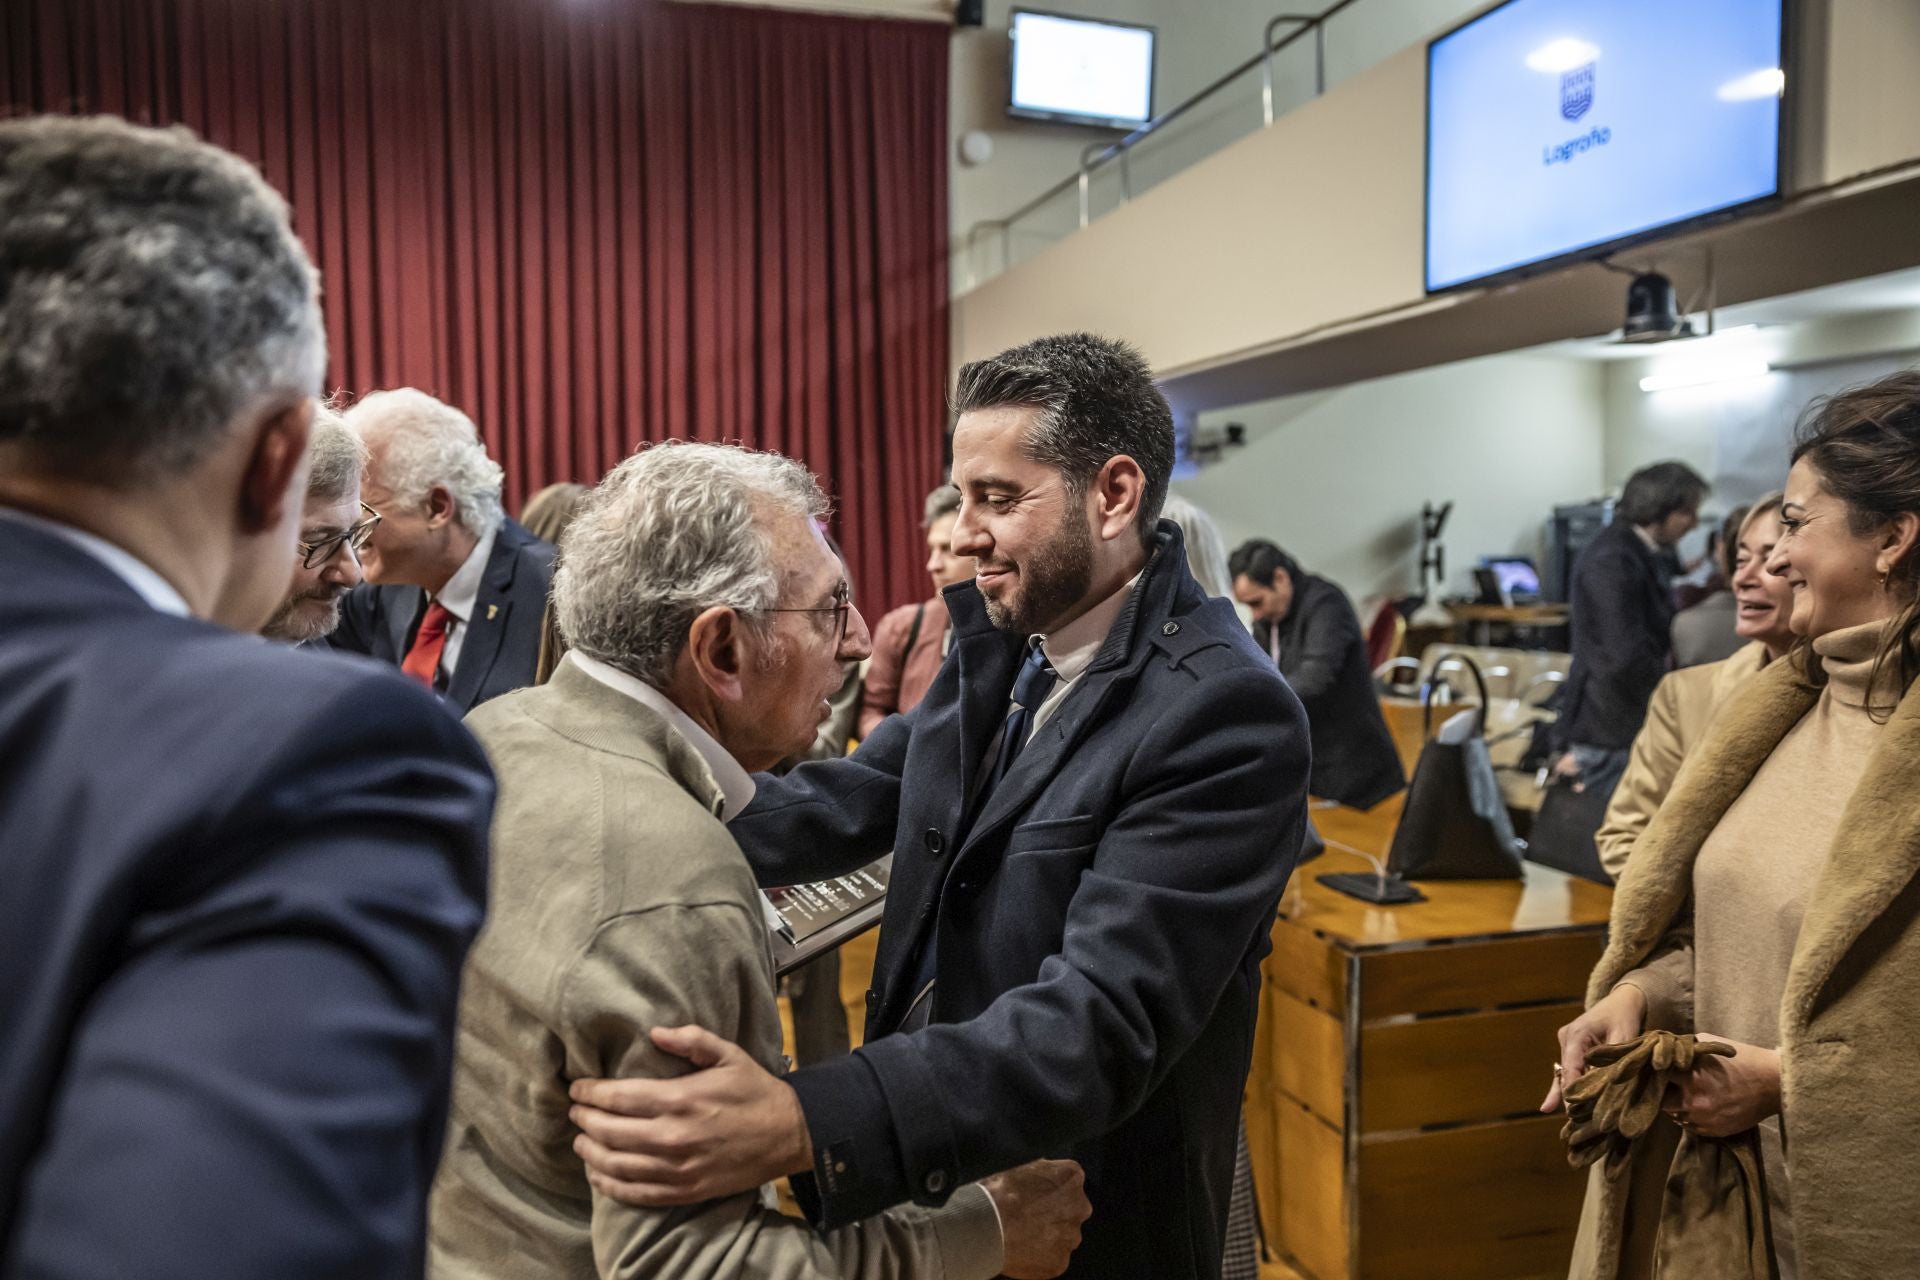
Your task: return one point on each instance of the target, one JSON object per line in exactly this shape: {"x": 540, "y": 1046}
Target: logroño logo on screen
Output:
{"x": 1576, "y": 99}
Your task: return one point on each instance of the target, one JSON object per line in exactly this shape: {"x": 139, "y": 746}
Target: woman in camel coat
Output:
{"x": 1774, "y": 900}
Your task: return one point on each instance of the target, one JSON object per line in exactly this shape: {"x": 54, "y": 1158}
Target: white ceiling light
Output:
{"x": 1699, "y": 373}
{"x": 1768, "y": 83}
{"x": 1563, "y": 54}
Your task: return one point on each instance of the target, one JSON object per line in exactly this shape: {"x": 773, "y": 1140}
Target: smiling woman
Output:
{"x": 1770, "y": 902}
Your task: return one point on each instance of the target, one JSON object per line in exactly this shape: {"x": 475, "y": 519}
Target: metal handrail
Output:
{"x": 1097, "y": 154}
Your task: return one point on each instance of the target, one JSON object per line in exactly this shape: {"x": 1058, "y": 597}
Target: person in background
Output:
{"x": 911, "y": 642}
{"x": 709, "y": 619}
{"x": 546, "y": 516}
{"x": 1773, "y": 902}
{"x": 1685, "y": 701}
{"x": 1207, "y": 559}
{"x": 334, "y": 526}
{"x": 1620, "y": 616}
{"x": 1707, "y": 630}
{"x": 1309, "y": 629}
{"x": 1206, "y": 550}
{"x": 239, "y": 881}
{"x": 455, "y": 589}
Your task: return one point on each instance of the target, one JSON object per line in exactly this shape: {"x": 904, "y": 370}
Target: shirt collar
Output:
{"x": 1647, "y": 540}
{"x": 129, "y": 568}
{"x": 462, "y": 591}
{"x": 1072, "y": 649}
{"x": 736, "y": 784}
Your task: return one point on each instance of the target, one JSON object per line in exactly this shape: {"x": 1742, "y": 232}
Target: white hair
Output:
{"x": 335, "y": 457}
{"x": 1206, "y": 549}
{"x": 425, "y": 442}
{"x": 671, "y": 532}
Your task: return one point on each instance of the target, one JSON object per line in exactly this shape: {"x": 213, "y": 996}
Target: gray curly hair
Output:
{"x": 335, "y": 457}
{"x": 151, "y": 291}
{"x": 425, "y": 442}
{"x": 671, "y": 532}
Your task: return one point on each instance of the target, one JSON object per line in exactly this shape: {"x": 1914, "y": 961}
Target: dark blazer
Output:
{"x": 239, "y": 883}
{"x": 502, "y": 646}
{"x": 1324, "y": 657}
{"x": 1621, "y": 617}
{"x": 1101, "y": 924}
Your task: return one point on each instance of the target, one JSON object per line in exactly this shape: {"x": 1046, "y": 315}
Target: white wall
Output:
{"x": 1338, "y": 477}
{"x": 1739, "y": 433}
{"x": 1199, "y": 41}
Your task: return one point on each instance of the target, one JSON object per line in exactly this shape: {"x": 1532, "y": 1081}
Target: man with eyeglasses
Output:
{"x": 709, "y": 622}
{"x": 334, "y": 527}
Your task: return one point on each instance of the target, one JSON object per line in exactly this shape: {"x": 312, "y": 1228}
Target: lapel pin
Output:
{"x": 492, "y": 611}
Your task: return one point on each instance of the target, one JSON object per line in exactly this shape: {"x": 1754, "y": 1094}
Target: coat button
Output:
{"x": 936, "y": 1183}
{"x": 935, "y": 842}
{"x": 1171, "y": 629}
{"x": 873, "y": 998}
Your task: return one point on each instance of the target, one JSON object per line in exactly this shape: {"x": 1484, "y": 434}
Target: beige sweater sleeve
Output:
{"x": 708, "y": 965}
{"x": 1652, "y": 765}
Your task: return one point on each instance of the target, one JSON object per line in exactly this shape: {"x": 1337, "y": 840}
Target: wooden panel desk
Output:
{"x": 1401, "y": 1056}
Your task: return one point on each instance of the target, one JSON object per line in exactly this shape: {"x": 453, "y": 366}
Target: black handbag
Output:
{"x": 1454, "y": 824}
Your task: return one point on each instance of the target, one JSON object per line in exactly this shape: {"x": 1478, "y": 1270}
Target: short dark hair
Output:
{"x": 150, "y": 289}
{"x": 1096, "y": 400}
{"x": 1256, "y": 561}
{"x": 1656, "y": 492}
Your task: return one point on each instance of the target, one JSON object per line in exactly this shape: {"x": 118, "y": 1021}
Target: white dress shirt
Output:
{"x": 459, "y": 596}
{"x": 129, "y": 568}
{"x": 736, "y": 784}
{"x": 1072, "y": 649}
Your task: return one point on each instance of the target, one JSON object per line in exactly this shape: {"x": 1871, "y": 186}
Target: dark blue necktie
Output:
{"x": 1030, "y": 689}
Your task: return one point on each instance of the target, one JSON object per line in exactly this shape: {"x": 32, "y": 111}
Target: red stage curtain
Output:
{"x": 589, "y": 223}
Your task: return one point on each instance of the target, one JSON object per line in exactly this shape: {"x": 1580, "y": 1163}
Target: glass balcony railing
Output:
{"x": 1301, "y": 56}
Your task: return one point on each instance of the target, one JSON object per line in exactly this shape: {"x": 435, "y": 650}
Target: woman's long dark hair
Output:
{"x": 1865, "y": 445}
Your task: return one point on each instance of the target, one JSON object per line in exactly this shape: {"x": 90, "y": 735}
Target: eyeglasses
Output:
{"x": 841, "y": 606}
{"x": 315, "y": 554}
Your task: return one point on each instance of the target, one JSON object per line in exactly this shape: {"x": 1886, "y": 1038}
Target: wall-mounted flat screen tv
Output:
{"x": 1560, "y": 129}
{"x": 1081, "y": 70}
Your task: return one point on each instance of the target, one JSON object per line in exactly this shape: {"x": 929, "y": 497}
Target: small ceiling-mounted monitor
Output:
{"x": 1081, "y": 70}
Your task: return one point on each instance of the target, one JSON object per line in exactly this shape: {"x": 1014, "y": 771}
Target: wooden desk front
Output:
{"x": 1401, "y": 1056}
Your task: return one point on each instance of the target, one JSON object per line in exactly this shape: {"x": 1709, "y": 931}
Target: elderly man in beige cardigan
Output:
{"x": 709, "y": 622}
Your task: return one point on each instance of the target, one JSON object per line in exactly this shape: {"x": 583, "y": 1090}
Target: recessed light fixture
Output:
{"x": 1700, "y": 373}
{"x": 1563, "y": 54}
{"x": 1769, "y": 82}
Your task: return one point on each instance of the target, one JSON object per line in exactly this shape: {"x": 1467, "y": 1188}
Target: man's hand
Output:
{"x": 1724, "y": 1096}
{"x": 1041, "y": 1208}
{"x": 723, "y": 1129}
{"x": 1615, "y": 1020}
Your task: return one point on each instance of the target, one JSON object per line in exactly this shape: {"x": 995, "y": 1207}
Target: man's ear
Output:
{"x": 442, "y": 510}
{"x": 1117, "y": 493}
{"x": 276, "y": 470}
{"x": 717, "y": 648}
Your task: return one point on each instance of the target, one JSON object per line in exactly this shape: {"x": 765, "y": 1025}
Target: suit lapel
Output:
{"x": 1874, "y": 857}
{"x": 1044, "y": 755}
{"x": 486, "y": 628}
{"x": 988, "y": 659}
{"x": 400, "y": 616}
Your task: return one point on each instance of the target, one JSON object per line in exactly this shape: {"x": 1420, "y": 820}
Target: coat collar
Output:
{"x": 582, "y": 709}
{"x": 988, "y": 657}
{"x": 1874, "y": 857}
{"x": 492, "y": 607}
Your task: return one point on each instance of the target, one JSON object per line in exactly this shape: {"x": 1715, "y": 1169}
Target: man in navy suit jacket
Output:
{"x": 239, "y": 880}
{"x": 455, "y": 590}
{"x": 1092, "y": 816}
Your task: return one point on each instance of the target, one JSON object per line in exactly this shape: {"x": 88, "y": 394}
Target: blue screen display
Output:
{"x": 1559, "y": 125}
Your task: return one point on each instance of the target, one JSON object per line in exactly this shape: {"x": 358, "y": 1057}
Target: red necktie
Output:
{"x": 423, "y": 659}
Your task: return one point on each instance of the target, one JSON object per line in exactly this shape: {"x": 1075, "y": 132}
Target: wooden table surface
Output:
{"x": 1530, "y": 614}
{"x": 1545, "y": 901}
